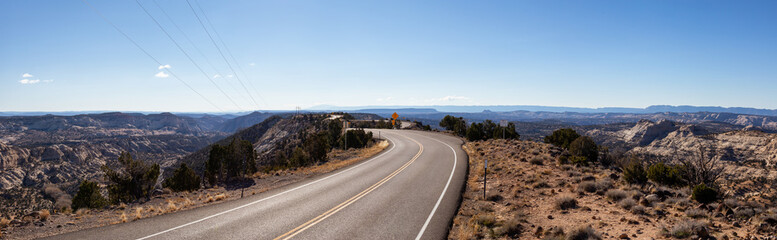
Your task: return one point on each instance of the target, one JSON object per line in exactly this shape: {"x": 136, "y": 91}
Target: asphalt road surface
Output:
{"x": 410, "y": 190}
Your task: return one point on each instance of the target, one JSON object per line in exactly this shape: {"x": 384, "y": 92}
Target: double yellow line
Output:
{"x": 330, "y": 212}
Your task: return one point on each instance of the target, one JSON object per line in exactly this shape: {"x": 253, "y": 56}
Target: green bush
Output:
{"x": 704, "y": 194}
{"x": 88, "y": 196}
{"x": 578, "y": 160}
{"x": 670, "y": 175}
{"x": 457, "y": 125}
{"x": 183, "y": 179}
{"x": 358, "y": 138}
{"x": 135, "y": 179}
{"x": 585, "y": 147}
{"x": 475, "y": 132}
{"x": 230, "y": 161}
{"x": 562, "y": 137}
{"x": 634, "y": 173}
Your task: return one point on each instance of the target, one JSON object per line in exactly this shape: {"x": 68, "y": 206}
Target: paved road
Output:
{"x": 409, "y": 191}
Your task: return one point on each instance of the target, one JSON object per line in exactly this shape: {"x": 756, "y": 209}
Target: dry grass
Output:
{"x": 566, "y": 202}
{"x": 171, "y": 207}
{"x": 44, "y": 214}
{"x": 4, "y": 222}
{"x": 123, "y": 217}
{"x": 82, "y": 211}
{"x": 138, "y": 213}
{"x": 220, "y": 197}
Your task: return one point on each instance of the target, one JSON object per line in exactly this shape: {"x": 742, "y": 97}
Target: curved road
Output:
{"x": 410, "y": 190}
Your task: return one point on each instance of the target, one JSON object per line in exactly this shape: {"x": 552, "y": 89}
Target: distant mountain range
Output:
{"x": 532, "y": 108}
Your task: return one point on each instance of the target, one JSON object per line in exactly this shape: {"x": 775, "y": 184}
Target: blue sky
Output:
{"x": 346, "y": 53}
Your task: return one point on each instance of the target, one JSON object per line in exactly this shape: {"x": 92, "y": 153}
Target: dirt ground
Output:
{"x": 35, "y": 226}
{"x": 526, "y": 186}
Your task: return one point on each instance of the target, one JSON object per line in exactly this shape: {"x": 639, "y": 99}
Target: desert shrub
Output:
{"x": 183, "y": 179}
{"x": 652, "y": 198}
{"x": 587, "y": 186}
{"x": 563, "y": 159}
{"x": 634, "y": 173}
{"x": 669, "y": 175}
{"x": 88, "y": 196}
{"x": 583, "y": 233}
{"x": 536, "y": 161}
{"x": 566, "y": 202}
{"x": 510, "y": 228}
{"x": 704, "y": 194}
{"x": 627, "y": 203}
{"x": 4, "y": 222}
{"x": 61, "y": 199}
{"x": 616, "y": 194}
{"x": 541, "y": 184}
{"x": 584, "y": 147}
{"x": 770, "y": 218}
{"x": 603, "y": 185}
{"x": 744, "y": 212}
{"x": 636, "y": 194}
{"x": 44, "y": 214}
{"x": 685, "y": 229}
{"x": 731, "y": 203}
{"x": 702, "y": 169}
{"x": 676, "y": 201}
{"x": 578, "y": 160}
{"x": 638, "y": 209}
{"x": 134, "y": 180}
{"x": 696, "y": 213}
{"x": 562, "y": 137}
{"x": 487, "y": 220}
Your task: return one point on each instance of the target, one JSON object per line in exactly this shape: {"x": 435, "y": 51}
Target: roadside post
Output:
{"x": 503, "y": 124}
{"x": 394, "y": 119}
{"x": 485, "y": 167}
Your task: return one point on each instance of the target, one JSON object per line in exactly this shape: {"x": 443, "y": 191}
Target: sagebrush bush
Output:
{"x": 584, "y": 147}
{"x": 745, "y": 213}
{"x": 587, "y": 186}
{"x": 634, "y": 173}
{"x": 616, "y": 194}
{"x": 566, "y": 202}
{"x": 583, "y": 233}
{"x": 88, "y": 196}
{"x": 627, "y": 203}
{"x": 731, "y": 203}
{"x": 638, "y": 210}
{"x": 685, "y": 229}
{"x": 696, "y": 213}
{"x": 44, "y": 214}
{"x": 510, "y": 228}
{"x": 536, "y": 161}
{"x": 704, "y": 194}
{"x": 487, "y": 220}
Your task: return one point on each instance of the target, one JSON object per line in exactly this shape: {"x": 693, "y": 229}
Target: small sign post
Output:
{"x": 485, "y": 167}
{"x": 503, "y": 124}
{"x": 393, "y": 121}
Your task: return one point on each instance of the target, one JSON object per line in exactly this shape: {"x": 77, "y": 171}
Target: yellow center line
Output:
{"x": 353, "y": 199}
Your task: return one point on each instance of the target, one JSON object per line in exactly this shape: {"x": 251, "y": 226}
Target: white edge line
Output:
{"x": 273, "y": 196}
{"x": 455, "y": 161}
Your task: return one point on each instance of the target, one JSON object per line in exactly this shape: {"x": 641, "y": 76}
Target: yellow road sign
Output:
{"x": 395, "y": 115}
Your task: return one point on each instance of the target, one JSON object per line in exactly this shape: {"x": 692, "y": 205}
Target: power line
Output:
{"x": 229, "y": 52}
{"x": 220, "y": 52}
{"x": 187, "y": 55}
{"x": 148, "y": 54}
{"x": 215, "y": 69}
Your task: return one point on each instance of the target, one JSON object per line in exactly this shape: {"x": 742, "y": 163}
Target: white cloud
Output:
{"x": 386, "y": 99}
{"x": 252, "y": 64}
{"x": 164, "y": 66}
{"x": 452, "y": 98}
{"x": 28, "y": 81}
{"x": 216, "y": 76}
{"x": 230, "y": 76}
{"x": 48, "y": 81}
{"x": 27, "y": 75}
{"x": 162, "y": 74}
